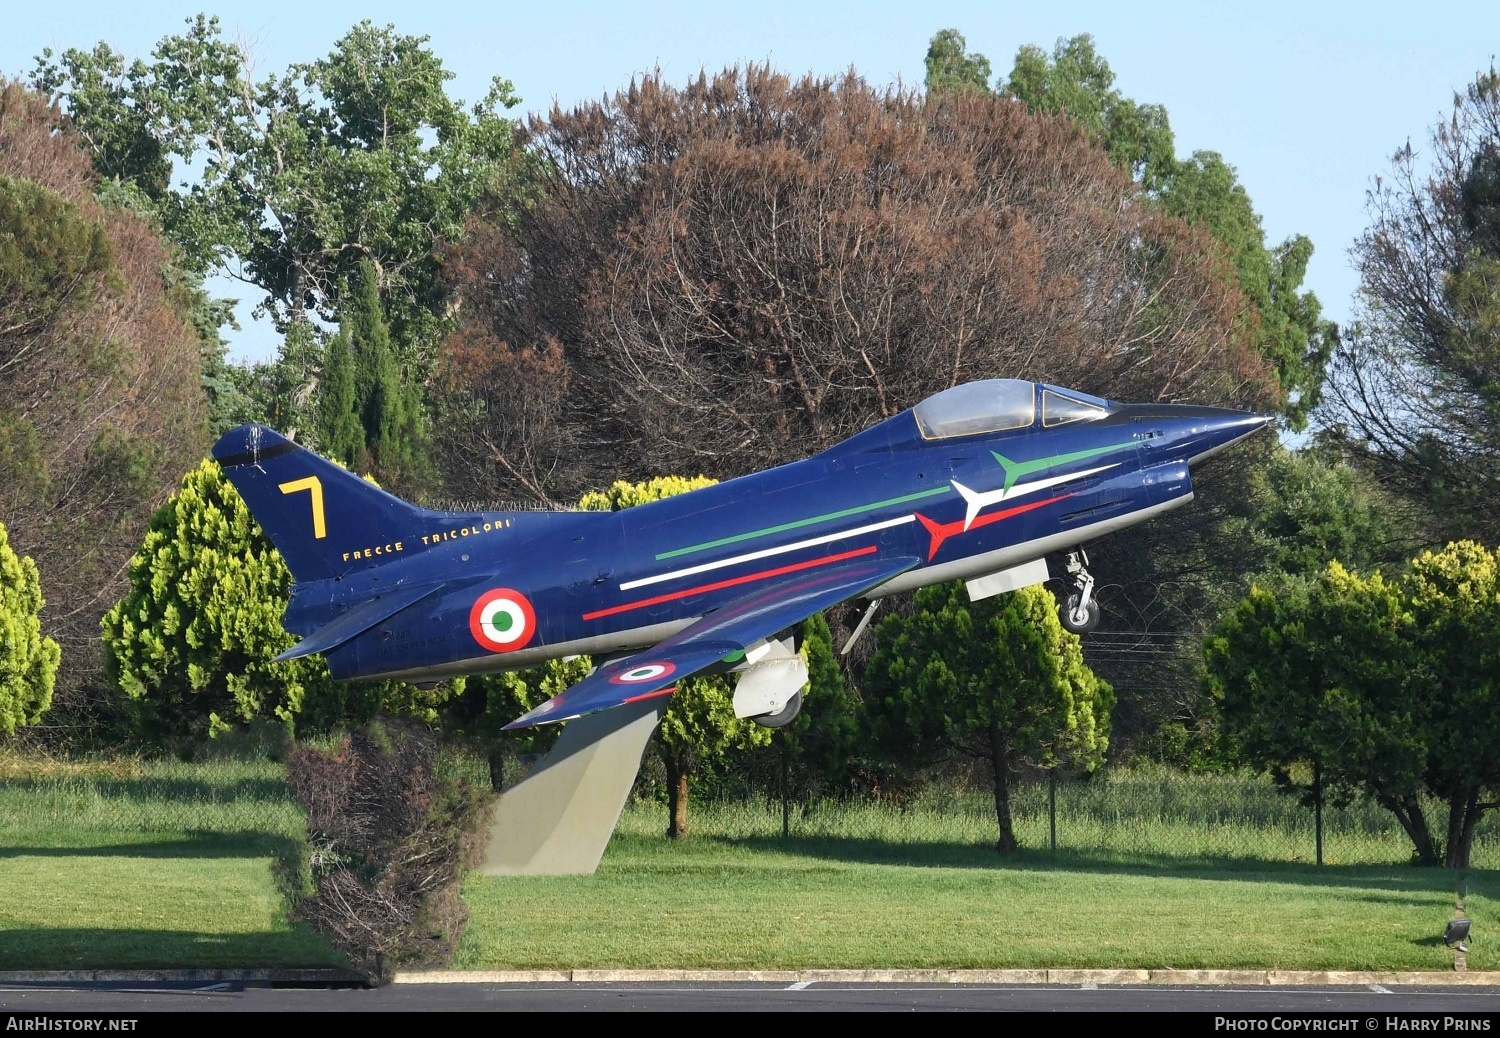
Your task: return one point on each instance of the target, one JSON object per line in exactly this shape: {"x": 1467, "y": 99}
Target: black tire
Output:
{"x": 1069, "y": 621}
{"x": 783, "y": 717}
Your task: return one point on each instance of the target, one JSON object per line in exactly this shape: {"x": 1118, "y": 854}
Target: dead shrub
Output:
{"x": 388, "y": 840}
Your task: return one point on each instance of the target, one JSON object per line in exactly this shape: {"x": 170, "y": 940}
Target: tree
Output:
{"x": 101, "y": 404}
{"x": 28, "y": 661}
{"x": 390, "y": 837}
{"x": 340, "y": 431}
{"x": 699, "y": 728}
{"x": 1287, "y": 325}
{"x": 1308, "y": 508}
{"x": 1416, "y": 388}
{"x": 826, "y": 732}
{"x": 357, "y": 156}
{"x": 950, "y": 66}
{"x": 386, "y": 403}
{"x": 1077, "y": 81}
{"x": 285, "y": 391}
{"x": 192, "y": 645}
{"x": 1287, "y": 514}
{"x": 1290, "y": 331}
{"x": 1388, "y": 689}
{"x": 1454, "y": 599}
{"x": 725, "y": 276}
{"x": 997, "y": 680}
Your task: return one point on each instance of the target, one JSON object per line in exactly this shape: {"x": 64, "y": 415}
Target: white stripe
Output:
{"x": 979, "y": 499}
{"x": 1379, "y": 990}
{"x": 766, "y": 553}
{"x": 801, "y": 985}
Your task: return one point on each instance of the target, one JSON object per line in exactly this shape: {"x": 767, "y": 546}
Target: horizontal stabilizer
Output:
{"x": 359, "y": 620}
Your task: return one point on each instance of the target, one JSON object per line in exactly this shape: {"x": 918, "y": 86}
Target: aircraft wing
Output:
{"x": 733, "y": 627}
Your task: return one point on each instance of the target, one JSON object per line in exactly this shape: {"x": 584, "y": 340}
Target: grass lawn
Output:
{"x": 1152, "y": 873}
{"x": 132, "y": 865}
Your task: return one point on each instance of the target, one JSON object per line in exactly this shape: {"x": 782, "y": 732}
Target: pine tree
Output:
{"x": 340, "y": 431}
{"x": 28, "y": 662}
{"x": 388, "y": 407}
{"x": 192, "y": 645}
{"x": 998, "y": 680}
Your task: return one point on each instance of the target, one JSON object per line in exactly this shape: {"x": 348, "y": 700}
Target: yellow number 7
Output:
{"x": 313, "y": 485}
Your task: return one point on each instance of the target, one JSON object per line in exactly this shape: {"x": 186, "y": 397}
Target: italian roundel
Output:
{"x": 643, "y": 672}
{"x": 502, "y": 620}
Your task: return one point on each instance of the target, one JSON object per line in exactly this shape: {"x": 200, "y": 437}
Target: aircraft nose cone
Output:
{"x": 1223, "y": 429}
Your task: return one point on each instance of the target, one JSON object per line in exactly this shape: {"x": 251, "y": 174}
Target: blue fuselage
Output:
{"x": 601, "y": 583}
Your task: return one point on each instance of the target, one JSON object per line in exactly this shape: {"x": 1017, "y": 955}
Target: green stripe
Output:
{"x": 1016, "y": 469}
{"x": 803, "y": 522}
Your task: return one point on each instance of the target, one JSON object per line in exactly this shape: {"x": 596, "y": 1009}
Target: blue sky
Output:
{"x": 1307, "y": 100}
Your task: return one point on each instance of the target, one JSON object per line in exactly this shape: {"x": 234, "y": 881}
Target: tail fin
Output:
{"x": 325, "y": 520}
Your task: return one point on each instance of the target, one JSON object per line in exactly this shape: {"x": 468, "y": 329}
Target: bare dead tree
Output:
{"x": 745, "y": 270}
{"x": 1413, "y": 393}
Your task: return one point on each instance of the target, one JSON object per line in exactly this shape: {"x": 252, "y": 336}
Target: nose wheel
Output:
{"x": 1079, "y": 611}
{"x": 783, "y": 717}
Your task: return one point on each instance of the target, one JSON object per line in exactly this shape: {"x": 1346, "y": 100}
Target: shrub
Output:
{"x": 388, "y": 840}
{"x": 28, "y": 662}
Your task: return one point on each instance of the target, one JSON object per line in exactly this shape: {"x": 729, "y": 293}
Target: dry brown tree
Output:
{"x": 101, "y": 404}
{"x": 388, "y": 840}
{"x": 743, "y": 271}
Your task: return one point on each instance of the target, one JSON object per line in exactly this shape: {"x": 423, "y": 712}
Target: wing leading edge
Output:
{"x": 733, "y": 627}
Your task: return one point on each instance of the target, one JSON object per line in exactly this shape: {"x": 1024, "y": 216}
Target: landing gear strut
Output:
{"x": 1079, "y": 610}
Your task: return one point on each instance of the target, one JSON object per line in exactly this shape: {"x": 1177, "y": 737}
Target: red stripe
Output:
{"x": 731, "y": 582}
{"x": 942, "y": 531}
{"x": 651, "y": 695}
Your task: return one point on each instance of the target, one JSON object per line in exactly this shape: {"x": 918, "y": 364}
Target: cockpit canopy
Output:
{"x": 1001, "y": 404}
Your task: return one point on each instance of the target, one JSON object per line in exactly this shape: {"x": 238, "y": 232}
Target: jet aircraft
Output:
{"x": 986, "y": 481}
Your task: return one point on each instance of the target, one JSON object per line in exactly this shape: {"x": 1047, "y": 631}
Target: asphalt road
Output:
{"x": 1366, "y": 1004}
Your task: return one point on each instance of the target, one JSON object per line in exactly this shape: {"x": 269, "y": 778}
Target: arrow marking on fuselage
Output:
{"x": 1014, "y": 470}
{"x": 940, "y": 532}
{"x": 766, "y": 553}
{"x": 978, "y": 500}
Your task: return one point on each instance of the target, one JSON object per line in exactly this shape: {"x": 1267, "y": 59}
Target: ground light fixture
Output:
{"x": 1457, "y": 933}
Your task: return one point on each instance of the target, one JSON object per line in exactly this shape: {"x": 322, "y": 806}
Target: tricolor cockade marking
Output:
{"x": 502, "y": 620}
{"x": 643, "y": 672}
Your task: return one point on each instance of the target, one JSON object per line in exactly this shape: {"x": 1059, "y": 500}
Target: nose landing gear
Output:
{"x": 1079, "y": 611}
